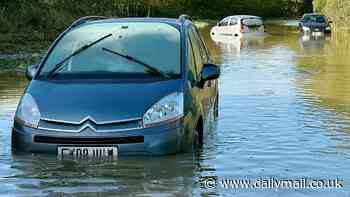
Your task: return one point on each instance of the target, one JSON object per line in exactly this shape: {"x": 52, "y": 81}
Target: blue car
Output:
{"x": 119, "y": 86}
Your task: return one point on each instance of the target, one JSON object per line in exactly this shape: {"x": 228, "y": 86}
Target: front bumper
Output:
{"x": 161, "y": 140}
{"x": 316, "y": 30}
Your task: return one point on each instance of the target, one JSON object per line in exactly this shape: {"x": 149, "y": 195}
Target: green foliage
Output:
{"x": 55, "y": 15}
{"x": 320, "y": 5}
{"x": 337, "y": 10}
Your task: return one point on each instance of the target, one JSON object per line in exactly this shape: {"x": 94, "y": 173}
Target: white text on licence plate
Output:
{"x": 93, "y": 152}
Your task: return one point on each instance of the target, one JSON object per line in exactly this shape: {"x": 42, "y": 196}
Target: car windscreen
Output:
{"x": 314, "y": 19}
{"x": 252, "y": 22}
{"x": 156, "y": 44}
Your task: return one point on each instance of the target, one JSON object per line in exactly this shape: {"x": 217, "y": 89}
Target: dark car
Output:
{"x": 314, "y": 23}
{"x": 119, "y": 86}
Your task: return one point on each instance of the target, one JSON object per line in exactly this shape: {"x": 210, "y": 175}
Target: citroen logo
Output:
{"x": 87, "y": 119}
{"x": 88, "y": 125}
{"x": 88, "y": 122}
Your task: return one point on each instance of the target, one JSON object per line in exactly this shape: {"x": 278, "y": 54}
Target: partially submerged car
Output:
{"x": 123, "y": 86}
{"x": 239, "y": 26}
{"x": 316, "y": 24}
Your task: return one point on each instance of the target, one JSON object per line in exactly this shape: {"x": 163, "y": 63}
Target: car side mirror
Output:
{"x": 210, "y": 72}
{"x": 218, "y": 24}
{"x": 31, "y": 71}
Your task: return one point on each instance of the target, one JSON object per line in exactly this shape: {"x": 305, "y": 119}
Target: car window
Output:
{"x": 314, "y": 19}
{"x": 233, "y": 21}
{"x": 224, "y": 22}
{"x": 196, "y": 52}
{"x": 142, "y": 40}
{"x": 202, "y": 47}
{"x": 192, "y": 72}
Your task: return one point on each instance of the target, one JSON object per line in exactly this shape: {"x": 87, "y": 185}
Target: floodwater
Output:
{"x": 284, "y": 114}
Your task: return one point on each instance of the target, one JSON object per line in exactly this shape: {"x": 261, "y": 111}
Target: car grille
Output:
{"x": 91, "y": 124}
{"x": 75, "y": 140}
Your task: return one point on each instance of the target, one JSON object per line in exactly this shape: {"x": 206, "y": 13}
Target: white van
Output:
{"x": 239, "y": 25}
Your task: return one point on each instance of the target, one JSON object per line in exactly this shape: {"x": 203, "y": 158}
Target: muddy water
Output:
{"x": 284, "y": 114}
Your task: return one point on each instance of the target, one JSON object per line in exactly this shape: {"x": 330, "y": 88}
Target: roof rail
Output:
{"x": 184, "y": 17}
{"x": 85, "y": 19}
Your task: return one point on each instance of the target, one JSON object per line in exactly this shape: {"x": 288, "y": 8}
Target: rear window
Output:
{"x": 252, "y": 22}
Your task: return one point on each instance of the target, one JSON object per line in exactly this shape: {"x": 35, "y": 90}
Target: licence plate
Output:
{"x": 317, "y": 33}
{"x": 87, "y": 152}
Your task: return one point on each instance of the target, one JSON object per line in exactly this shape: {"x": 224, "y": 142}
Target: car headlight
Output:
{"x": 169, "y": 108}
{"x": 28, "y": 113}
{"x": 306, "y": 28}
{"x": 328, "y": 28}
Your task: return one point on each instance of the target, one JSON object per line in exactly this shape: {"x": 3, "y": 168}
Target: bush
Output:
{"x": 55, "y": 15}
{"x": 337, "y": 10}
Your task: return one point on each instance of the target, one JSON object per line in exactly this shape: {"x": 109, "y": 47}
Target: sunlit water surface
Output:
{"x": 284, "y": 114}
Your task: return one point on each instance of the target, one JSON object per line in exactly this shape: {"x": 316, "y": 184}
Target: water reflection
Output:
{"x": 228, "y": 43}
{"x": 329, "y": 69}
{"x": 234, "y": 45}
{"x": 42, "y": 175}
{"x": 11, "y": 88}
{"x": 311, "y": 43}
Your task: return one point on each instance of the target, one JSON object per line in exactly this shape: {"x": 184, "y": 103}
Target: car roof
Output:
{"x": 171, "y": 21}
{"x": 246, "y": 16}
{"x": 313, "y": 14}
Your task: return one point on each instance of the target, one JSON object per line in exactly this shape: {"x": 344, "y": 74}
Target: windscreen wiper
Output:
{"x": 60, "y": 65}
{"x": 133, "y": 59}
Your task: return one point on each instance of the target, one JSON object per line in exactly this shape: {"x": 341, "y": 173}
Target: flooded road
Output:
{"x": 284, "y": 114}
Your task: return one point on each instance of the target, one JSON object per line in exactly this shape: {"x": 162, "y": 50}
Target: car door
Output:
{"x": 223, "y": 26}
{"x": 212, "y": 86}
{"x": 201, "y": 58}
{"x": 233, "y": 27}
